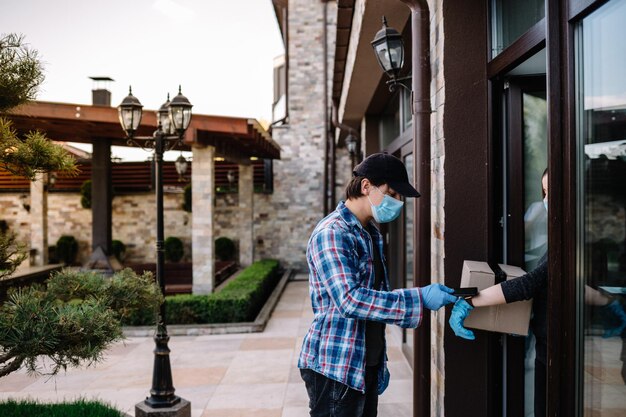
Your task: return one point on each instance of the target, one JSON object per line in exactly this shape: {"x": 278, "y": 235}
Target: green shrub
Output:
{"x": 240, "y": 300}
{"x": 224, "y": 249}
{"x": 174, "y": 249}
{"x": 80, "y": 408}
{"x": 187, "y": 198}
{"x": 119, "y": 249}
{"x": 67, "y": 249}
{"x": 85, "y": 194}
{"x": 72, "y": 320}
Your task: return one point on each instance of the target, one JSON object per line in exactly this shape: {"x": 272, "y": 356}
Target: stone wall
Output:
{"x": 134, "y": 221}
{"x": 16, "y": 216}
{"x": 437, "y": 212}
{"x": 284, "y": 220}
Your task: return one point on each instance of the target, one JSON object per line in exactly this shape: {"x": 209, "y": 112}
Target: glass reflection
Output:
{"x": 535, "y": 162}
{"x": 535, "y": 136}
{"x": 602, "y": 206}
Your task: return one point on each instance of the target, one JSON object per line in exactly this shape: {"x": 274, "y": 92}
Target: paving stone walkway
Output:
{"x": 222, "y": 375}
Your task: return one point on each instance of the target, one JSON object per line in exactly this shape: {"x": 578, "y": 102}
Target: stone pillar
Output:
{"x": 202, "y": 238}
{"x": 246, "y": 213}
{"x": 39, "y": 220}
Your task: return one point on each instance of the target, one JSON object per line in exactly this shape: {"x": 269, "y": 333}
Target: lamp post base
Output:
{"x": 181, "y": 409}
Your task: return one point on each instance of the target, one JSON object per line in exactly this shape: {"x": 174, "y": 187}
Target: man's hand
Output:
{"x": 436, "y": 296}
{"x": 460, "y": 311}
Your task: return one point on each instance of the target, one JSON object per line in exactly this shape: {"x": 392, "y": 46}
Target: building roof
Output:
{"x": 234, "y": 138}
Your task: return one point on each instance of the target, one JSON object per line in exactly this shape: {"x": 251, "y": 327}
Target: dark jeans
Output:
{"x": 330, "y": 398}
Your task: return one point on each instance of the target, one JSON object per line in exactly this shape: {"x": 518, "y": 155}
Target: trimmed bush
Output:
{"x": 85, "y": 194}
{"x": 240, "y": 300}
{"x": 174, "y": 249}
{"x": 224, "y": 249}
{"x": 119, "y": 249}
{"x": 67, "y": 249}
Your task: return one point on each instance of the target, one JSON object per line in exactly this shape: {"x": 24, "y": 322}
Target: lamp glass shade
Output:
{"x": 180, "y": 113}
{"x": 351, "y": 144}
{"x": 181, "y": 165}
{"x": 129, "y": 111}
{"x": 390, "y": 55}
{"x": 163, "y": 116}
{"x": 396, "y": 54}
{"x": 389, "y": 50}
{"x": 230, "y": 176}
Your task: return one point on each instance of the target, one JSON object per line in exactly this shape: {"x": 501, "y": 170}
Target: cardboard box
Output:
{"x": 511, "y": 318}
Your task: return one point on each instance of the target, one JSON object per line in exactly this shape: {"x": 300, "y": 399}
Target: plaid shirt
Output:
{"x": 341, "y": 278}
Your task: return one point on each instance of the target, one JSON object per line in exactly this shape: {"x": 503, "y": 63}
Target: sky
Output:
{"x": 220, "y": 52}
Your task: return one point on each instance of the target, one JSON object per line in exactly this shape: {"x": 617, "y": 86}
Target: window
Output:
{"x": 279, "y": 104}
{"x": 601, "y": 208}
{"x": 390, "y": 122}
{"x": 512, "y": 18}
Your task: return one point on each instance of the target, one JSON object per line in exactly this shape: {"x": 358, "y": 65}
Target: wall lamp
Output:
{"x": 389, "y": 50}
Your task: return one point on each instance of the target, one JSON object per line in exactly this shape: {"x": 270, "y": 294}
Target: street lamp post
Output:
{"x": 173, "y": 119}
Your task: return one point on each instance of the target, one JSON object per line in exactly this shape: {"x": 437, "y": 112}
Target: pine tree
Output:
{"x": 76, "y": 316}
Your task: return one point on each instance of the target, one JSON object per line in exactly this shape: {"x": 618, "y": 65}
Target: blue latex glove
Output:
{"x": 460, "y": 311}
{"x": 618, "y": 316}
{"x": 436, "y": 296}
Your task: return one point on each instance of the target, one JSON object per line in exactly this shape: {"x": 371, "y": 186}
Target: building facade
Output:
{"x": 514, "y": 87}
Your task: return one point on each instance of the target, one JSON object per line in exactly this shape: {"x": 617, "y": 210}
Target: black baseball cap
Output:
{"x": 389, "y": 169}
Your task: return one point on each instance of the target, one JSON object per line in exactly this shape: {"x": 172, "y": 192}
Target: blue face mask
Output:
{"x": 388, "y": 210}
{"x": 545, "y": 203}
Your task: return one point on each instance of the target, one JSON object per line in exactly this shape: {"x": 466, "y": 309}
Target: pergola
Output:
{"x": 209, "y": 137}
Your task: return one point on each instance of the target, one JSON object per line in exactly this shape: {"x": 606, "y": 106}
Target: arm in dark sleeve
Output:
{"x": 527, "y": 286}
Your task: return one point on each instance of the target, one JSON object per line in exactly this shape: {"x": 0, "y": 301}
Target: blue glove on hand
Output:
{"x": 460, "y": 311}
{"x": 436, "y": 296}
{"x": 618, "y": 319}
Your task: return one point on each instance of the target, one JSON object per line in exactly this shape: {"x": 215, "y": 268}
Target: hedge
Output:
{"x": 240, "y": 300}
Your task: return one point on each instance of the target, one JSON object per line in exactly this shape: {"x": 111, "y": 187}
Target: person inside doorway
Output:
{"x": 533, "y": 285}
{"x": 343, "y": 357}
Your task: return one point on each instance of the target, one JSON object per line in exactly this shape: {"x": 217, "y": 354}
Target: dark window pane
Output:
{"x": 512, "y": 18}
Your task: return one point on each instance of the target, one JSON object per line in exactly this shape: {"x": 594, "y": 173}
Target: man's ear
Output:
{"x": 365, "y": 184}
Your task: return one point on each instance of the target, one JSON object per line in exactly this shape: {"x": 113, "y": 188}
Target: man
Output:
{"x": 343, "y": 359}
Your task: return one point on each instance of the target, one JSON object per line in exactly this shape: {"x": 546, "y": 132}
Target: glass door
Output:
{"x": 601, "y": 210}
{"x": 522, "y": 219}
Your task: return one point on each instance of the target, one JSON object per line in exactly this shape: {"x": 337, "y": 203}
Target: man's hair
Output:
{"x": 353, "y": 189}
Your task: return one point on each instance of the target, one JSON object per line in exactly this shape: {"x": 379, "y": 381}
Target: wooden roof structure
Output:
{"x": 235, "y": 139}
{"x": 134, "y": 177}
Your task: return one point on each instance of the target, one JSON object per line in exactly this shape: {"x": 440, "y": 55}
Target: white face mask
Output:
{"x": 545, "y": 202}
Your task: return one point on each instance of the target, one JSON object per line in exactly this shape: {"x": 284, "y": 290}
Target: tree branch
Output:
{"x": 11, "y": 367}
{"x": 6, "y": 356}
